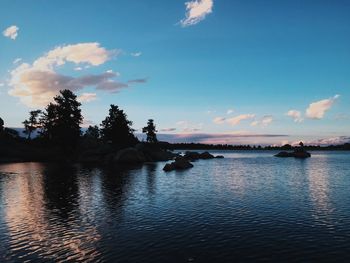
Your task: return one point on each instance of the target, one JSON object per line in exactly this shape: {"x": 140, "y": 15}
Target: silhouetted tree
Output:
{"x": 32, "y": 123}
{"x": 150, "y": 131}
{"x": 287, "y": 147}
{"x": 116, "y": 128}
{"x": 61, "y": 120}
{"x": 92, "y": 132}
{"x": 1, "y": 125}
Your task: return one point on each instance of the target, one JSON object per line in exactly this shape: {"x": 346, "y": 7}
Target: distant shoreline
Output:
{"x": 287, "y": 147}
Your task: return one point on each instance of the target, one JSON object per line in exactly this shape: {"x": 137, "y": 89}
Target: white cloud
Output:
{"x": 2, "y": 84}
{"x": 11, "y": 32}
{"x": 196, "y": 11}
{"x": 296, "y": 115}
{"x": 316, "y": 110}
{"x": 36, "y": 84}
{"x": 219, "y": 120}
{"x": 229, "y": 111}
{"x": 90, "y": 53}
{"x": 265, "y": 121}
{"x": 87, "y": 97}
{"x": 17, "y": 60}
{"x": 136, "y": 54}
{"x": 87, "y": 123}
{"x": 78, "y": 68}
{"x": 236, "y": 120}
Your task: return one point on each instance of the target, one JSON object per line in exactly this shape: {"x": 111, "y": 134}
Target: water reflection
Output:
{"x": 221, "y": 210}
{"x": 318, "y": 175}
{"x": 40, "y": 218}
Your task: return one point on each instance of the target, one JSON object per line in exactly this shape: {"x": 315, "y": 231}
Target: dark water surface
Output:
{"x": 249, "y": 206}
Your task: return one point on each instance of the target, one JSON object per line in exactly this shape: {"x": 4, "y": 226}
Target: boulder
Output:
{"x": 169, "y": 167}
{"x": 153, "y": 153}
{"x": 192, "y": 156}
{"x": 129, "y": 156}
{"x": 180, "y": 163}
{"x": 206, "y": 155}
{"x": 219, "y": 157}
{"x": 295, "y": 154}
{"x": 302, "y": 154}
{"x": 284, "y": 154}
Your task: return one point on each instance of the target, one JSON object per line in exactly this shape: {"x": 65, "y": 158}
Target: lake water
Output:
{"x": 249, "y": 206}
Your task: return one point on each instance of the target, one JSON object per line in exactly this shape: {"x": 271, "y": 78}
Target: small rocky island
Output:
{"x": 298, "y": 152}
{"x": 184, "y": 162}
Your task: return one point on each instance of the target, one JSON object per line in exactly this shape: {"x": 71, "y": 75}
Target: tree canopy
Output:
{"x": 93, "y": 132}
{"x": 1, "y": 125}
{"x": 150, "y": 131}
{"x": 116, "y": 129}
{"x": 32, "y": 123}
{"x": 61, "y": 119}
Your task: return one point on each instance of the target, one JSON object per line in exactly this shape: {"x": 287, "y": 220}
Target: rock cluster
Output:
{"x": 184, "y": 162}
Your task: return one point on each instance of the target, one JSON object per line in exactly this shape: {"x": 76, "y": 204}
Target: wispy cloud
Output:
{"x": 328, "y": 141}
{"x": 265, "y": 121}
{"x": 221, "y": 138}
{"x": 229, "y": 111}
{"x": 11, "y": 32}
{"x": 87, "y": 97}
{"x": 17, "y": 60}
{"x": 236, "y": 120}
{"x": 37, "y": 83}
{"x": 136, "y": 54}
{"x": 296, "y": 115}
{"x": 189, "y": 127}
{"x": 316, "y": 110}
{"x": 196, "y": 11}
{"x": 219, "y": 120}
{"x": 168, "y": 129}
{"x": 144, "y": 80}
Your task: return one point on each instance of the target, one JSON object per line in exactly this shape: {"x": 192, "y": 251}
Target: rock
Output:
{"x": 219, "y": 157}
{"x": 153, "y": 153}
{"x": 206, "y": 155}
{"x": 284, "y": 154}
{"x": 302, "y": 154}
{"x": 192, "y": 156}
{"x": 180, "y": 163}
{"x": 129, "y": 156}
{"x": 169, "y": 167}
{"x": 296, "y": 154}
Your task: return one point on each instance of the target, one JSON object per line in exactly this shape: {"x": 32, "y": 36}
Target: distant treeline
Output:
{"x": 286, "y": 147}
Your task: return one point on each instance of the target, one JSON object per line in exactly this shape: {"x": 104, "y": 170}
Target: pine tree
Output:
{"x": 61, "y": 120}
{"x": 32, "y": 123}
{"x": 150, "y": 131}
{"x": 116, "y": 129}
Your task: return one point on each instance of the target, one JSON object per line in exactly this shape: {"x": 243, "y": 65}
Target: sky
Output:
{"x": 209, "y": 71}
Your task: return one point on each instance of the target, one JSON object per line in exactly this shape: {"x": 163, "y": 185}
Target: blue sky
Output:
{"x": 245, "y": 71}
